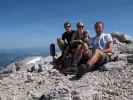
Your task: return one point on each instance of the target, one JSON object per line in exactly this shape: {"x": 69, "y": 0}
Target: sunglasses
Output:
{"x": 80, "y": 26}
{"x": 67, "y": 27}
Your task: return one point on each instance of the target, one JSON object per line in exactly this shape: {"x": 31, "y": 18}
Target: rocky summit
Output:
{"x": 35, "y": 79}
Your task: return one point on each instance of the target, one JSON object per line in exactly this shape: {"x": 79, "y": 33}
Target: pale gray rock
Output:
{"x": 49, "y": 84}
{"x": 122, "y": 37}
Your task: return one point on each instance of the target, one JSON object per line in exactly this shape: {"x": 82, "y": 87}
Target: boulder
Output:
{"x": 122, "y": 37}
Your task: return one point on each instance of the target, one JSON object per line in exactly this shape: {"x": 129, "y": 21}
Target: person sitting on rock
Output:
{"x": 81, "y": 39}
{"x": 102, "y": 48}
{"x": 65, "y": 40}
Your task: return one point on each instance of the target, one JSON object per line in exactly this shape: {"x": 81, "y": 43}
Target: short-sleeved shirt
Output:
{"x": 101, "y": 41}
{"x": 67, "y": 37}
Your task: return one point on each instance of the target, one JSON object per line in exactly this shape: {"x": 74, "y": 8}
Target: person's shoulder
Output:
{"x": 107, "y": 36}
{"x": 86, "y": 32}
{"x": 63, "y": 34}
{"x": 73, "y": 31}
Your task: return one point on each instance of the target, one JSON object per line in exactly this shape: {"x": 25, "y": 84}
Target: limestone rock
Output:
{"x": 49, "y": 84}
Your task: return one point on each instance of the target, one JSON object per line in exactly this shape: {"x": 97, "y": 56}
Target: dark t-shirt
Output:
{"x": 67, "y": 37}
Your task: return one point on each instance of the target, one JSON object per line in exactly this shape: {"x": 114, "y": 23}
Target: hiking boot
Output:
{"x": 83, "y": 68}
{"x": 71, "y": 70}
{"x": 102, "y": 68}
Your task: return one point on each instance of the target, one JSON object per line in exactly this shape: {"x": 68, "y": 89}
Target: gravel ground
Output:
{"x": 114, "y": 84}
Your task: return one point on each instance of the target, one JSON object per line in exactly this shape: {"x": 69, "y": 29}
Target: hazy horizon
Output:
{"x": 20, "y": 48}
{"x": 37, "y": 23}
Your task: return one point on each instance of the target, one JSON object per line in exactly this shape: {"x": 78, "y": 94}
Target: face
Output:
{"x": 80, "y": 29}
{"x": 99, "y": 28}
{"x": 68, "y": 29}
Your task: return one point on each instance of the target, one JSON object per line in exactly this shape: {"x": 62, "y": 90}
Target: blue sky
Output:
{"x": 37, "y": 23}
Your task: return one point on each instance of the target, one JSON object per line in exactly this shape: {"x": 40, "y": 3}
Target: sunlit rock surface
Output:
{"x": 46, "y": 83}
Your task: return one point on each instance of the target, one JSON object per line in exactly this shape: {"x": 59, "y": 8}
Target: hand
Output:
{"x": 77, "y": 41}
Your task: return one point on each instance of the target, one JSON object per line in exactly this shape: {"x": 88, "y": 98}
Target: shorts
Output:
{"x": 105, "y": 58}
{"x": 88, "y": 53}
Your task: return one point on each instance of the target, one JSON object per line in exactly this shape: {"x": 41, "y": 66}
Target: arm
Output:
{"x": 109, "y": 47}
{"x": 63, "y": 36}
{"x": 64, "y": 39}
{"x": 87, "y": 38}
{"x": 73, "y": 37}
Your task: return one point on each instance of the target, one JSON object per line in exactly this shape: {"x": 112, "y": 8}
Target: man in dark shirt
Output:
{"x": 65, "y": 41}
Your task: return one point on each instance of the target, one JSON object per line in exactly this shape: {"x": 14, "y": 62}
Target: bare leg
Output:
{"x": 65, "y": 52}
{"x": 96, "y": 57}
{"x": 90, "y": 63}
{"x": 78, "y": 54}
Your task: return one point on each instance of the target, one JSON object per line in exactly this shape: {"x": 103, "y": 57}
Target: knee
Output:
{"x": 85, "y": 46}
{"x": 60, "y": 43}
{"x": 99, "y": 52}
{"x": 79, "y": 47}
{"x": 59, "y": 40}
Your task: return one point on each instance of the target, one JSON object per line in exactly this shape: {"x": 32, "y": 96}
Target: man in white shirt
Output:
{"x": 102, "y": 41}
{"x": 102, "y": 48}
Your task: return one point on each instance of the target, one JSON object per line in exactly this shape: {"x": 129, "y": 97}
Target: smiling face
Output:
{"x": 99, "y": 27}
{"x": 80, "y": 29}
{"x": 68, "y": 29}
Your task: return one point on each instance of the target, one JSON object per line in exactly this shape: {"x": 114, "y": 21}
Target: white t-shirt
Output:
{"x": 101, "y": 41}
